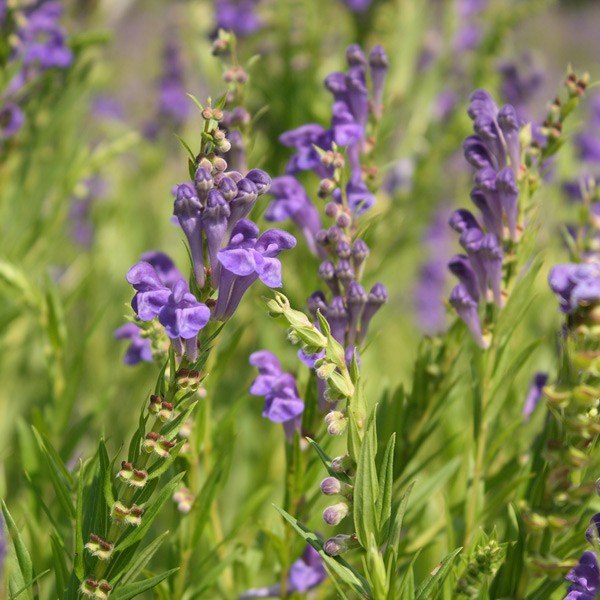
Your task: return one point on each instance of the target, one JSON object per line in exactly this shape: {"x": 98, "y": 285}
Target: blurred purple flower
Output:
{"x": 535, "y": 393}
{"x": 139, "y": 348}
{"x": 466, "y": 307}
{"x": 238, "y": 16}
{"x": 575, "y": 285}
{"x": 358, "y": 6}
{"x": 585, "y": 577}
{"x": 11, "y": 120}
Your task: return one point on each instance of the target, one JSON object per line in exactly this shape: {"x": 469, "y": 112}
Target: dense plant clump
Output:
{"x": 421, "y": 328}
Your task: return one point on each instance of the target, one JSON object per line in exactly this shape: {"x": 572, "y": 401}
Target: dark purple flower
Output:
{"x": 490, "y": 207}
{"x": 183, "y": 317}
{"x": 164, "y": 267}
{"x": 282, "y": 402}
{"x": 476, "y": 153}
{"x": 247, "y": 258}
{"x": 356, "y": 300}
{"x": 337, "y": 317}
{"x": 214, "y": 222}
{"x": 378, "y": 62}
{"x": 11, "y": 120}
{"x": 576, "y": 285}
{"x": 585, "y": 577}
{"x": 292, "y": 202}
{"x": 466, "y": 308}
{"x": 304, "y": 139}
{"x": 358, "y": 6}
{"x": 188, "y": 210}
{"x": 460, "y": 266}
{"x": 242, "y": 204}
{"x": 491, "y": 256}
{"x": 509, "y": 125}
{"x": 471, "y": 241}
{"x": 461, "y": 220}
{"x": 378, "y": 296}
{"x": 238, "y": 16}
{"x": 535, "y": 393}
{"x": 139, "y": 348}
{"x": 508, "y": 194}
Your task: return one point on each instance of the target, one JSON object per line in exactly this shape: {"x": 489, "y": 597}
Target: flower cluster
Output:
{"x": 38, "y": 44}
{"x": 577, "y": 286}
{"x": 495, "y": 152}
{"x": 212, "y": 214}
{"x": 585, "y": 577}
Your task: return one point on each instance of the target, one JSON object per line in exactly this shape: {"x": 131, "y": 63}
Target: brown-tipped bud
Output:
{"x": 204, "y": 163}
{"x": 166, "y": 412}
{"x": 217, "y": 114}
{"x": 104, "y": 589}
{"x": 207, "y": 113}
{"x": 119, "y": 512}
{"x": 162, "y": 447}
{"x": 229, "y": 75}
{"x": 220, "y": 164}
{"x": 134, "y": 516}
{"x": 183, "y": 378}
{"x": 327, "y": 158}
{"x": 88, "y": 588}
{"x": 326, "y": 187}
{"x": 219, "y": 46}
{"x": 338, "y": 161}
{"x": 572, "y": 77}
{"x": 98, "y": 547}
{"x": 154, "y": 406}
{"x": 240, "y": 74}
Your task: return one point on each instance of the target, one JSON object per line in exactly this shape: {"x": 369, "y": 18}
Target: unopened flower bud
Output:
{"x": 103, "y": 590}
{"x": 150, "y": 441}
{"x": 205, "y": 163}
{"x": 334, "y": 515}
{"x": 217, "y": 114}
{"x": 360, "y": 253}
{"x": 261, "y": 180}
{"x": 240, "y": 74}
{"x": 321, "y": 237}
{"x": 154, "y": 406}
{"x": 345, "y": 273}
{"x": 135, "y": 516}
{"x": 89, "y": 587}
{"x": 332, "y": 209}
{"x": 338, "y": 161}
{"x": 317, "y": 301}
{"x": 336, "y": 422}
{"x": 343, "y": 220}
{"x": 325, "y": 369}
{"x": 183, "y": 378}
{"x": 327, "y": 274}
{"x": 224, "y": 146}
{"x": 326, "y": 187}
{"x": 166, "y": 413}
{"x": 327, "y": 158}
{"x": 126, "y": 471}
{"x": 219, "y": 47}
{"x": 343, "y": 249}
{"x": 330, "y": 486}
{"x": 227, "y": 188}
{"x": 98, "y": 547}
{"x": 220, "y": 164}
{"x": 340, "y": 543}
{"x": 334, "y": 234}
{"x": 355, "y": 56}
{"x": 207, "y": 113}
{"x": 163, "y": 447}
{"x": 343, "y": 464}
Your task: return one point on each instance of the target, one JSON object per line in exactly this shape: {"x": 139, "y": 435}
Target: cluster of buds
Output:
{"x": 99, "y": 590}
{"x": 122, "y": 515}
{"x": 161, "y": 409}
{"x": 132, "y": 476}
{"x": 158, "y": 444}
{"x": 235, "y": 74}
{"x": 189, "y": 379}
{"x": 336, "y": 422}
{"x": 184, "y": 500}
{"x": 98, "y": 547}
{"x": 483, "y": 562}
{"x": 332, "y": 159}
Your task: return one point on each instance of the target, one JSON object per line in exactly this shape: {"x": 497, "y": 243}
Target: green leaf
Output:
{"x": 386, "y": 485}
{"x": 23, "y": 557}
{"x": 150, "y": 513}
{"x": 28, "y": 585}
{"x": 196, "y": 102}
{"x": 407, "y": 588}
{"x": 183, "y": 143}
{"x": 220, "y": 103}
{"x": 142, "y": 559}
{"x": 135, "y": 589}
{"x": 171, "y": 429}
{"x": 436, "y": 577}
{"x": 394, "y": 538}
{"x": 326, "y": 460}
{"x": 366, "y": 488}
{"x": 337, "y": 564}
{"x": 109, "y": 495}
{"x": 61, "y": 571}
{"x": 209, "y": 577}
{"x": 78, "y": 564}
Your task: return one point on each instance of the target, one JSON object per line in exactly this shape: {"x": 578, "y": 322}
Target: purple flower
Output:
{"x": 247, "y": 258}
{"x": 466, "y": 308}
{"x": 238, "y": 16}
{"x": 358, "y": 196}
{"x": 305, "y": 573}
{"x": 585, "y": 577}
{"x": 11, "y": 120}
{"x": 164, "y": 267}
{"x": 491, "y": 257}
{"x": 378, "y": 296}
{"x": 378, "y": 61}
{"x": 358, "y": 6}
{"x": 304, "y": 139}
{"x": 576, "y": 285}
{"x": 188, "y": 210}
{"x": 588, "y": 146}
{"x": 461, "y": 220}
{"x": 139, "y": 348}
{"x": 282, "y": 402}
{"x": 460, "y": 266}
{"x": 518, "y": 88}
{"x": 214, "y": 221}
{"x": 535, "y": 393}
{"x": 183, "y": 317}
{"x": 151, "y": 293}
{"x": 292, "y": 202}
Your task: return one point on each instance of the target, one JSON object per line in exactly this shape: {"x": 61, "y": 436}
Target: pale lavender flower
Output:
{"x": 151, "y": 293}
{"x": 238, "y": 16}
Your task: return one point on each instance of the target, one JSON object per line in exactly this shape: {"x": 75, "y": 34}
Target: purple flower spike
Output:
{"x": 378, "y": 296}
{"x": 378, "y": 61}
{"x": 509, "y": 124}
{"x": 356, "y": 300}
{"x": 482, "y": 103}
{"x": 487, "y": 129}
{"x": 461, "y": 220}
{"x": 492, "y": 257}
{"x": 183, "y": 317}
{"x": 227, "y": 188}
{"x": 508, "y": 193}
{"x": 344, "y": 273}
{"x": 476, "y": 152}
{"x": 535, "y": 394}
{"x": 188, "y": 210}
{"x": 292, "y": 202}
{"x": 337, "y": 317}
{"x": 336, "y": 84}
{"x": 214, "y": 221}
{"x": 327, "y": 274}
{"x": 151, "y": 294}
{"x": 11, "y": 120}
{"x": 261, "y": 180}
{"x": 491, "y": 210}
{"x": 460, "y": 266}
{"x": 165, "y": 268}
{"x": 242, "y": 204}
{"x": 466, "y": 308}
{"x": 139, "y": 349}
{"x": 471, "y": 240}
{"x": 345, "y": 131}
{"x": 585, "y": 577}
